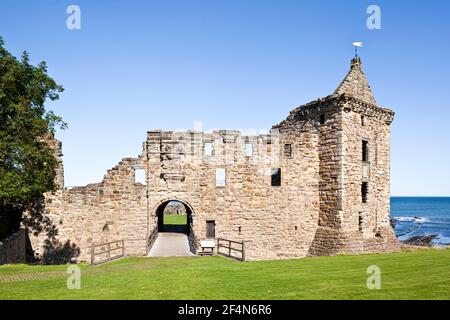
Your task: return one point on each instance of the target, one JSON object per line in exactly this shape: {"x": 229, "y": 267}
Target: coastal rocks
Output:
{"x": 421, "y": 240}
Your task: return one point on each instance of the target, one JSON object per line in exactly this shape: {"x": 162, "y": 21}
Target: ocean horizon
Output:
{"x": 422, "y": 216}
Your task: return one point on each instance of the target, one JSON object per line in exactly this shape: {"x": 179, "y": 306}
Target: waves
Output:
{"x": 408, "y": 227}
{"x": 426, "y": 217}
{"x": 418, "y": 220}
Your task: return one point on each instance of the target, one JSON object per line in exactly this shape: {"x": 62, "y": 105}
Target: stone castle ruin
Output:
{"x": 175, "y": 208}
{"x": 318, "y": 184}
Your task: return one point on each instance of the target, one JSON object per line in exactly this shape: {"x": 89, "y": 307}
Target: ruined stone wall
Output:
{"x": 317, "y": 210}
{"x": 114, "y": 209}
{"x": 175, "y": 209}
{"x": 56, "y": 146}
{"x": 275, "y": 222}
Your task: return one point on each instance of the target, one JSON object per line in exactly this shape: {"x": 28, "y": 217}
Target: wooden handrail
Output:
{"x": 106, "y": 243}
{"x": 232, "y": 241}
{"x": 108, "y": 251}
{"x": 230, "y": 248}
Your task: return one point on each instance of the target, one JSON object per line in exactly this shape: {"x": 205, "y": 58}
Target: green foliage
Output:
{"x": 27, "y": 163}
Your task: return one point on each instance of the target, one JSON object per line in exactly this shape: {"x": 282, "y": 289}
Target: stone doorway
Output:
{"x": 174, "y": 230}
{"x": 174, "y": 216}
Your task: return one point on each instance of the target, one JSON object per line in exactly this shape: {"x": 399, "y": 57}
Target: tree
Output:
{"x": 27, "y": 163}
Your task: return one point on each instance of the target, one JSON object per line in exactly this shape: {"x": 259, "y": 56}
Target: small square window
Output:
{"x": 208, "y": 149}
{"x": 220, "y": 177}
{"x": 249, "y": 149}
{"x": 276, "y": 177}
{"x": 287, "y": 150}
{"x": 139, "y": 176}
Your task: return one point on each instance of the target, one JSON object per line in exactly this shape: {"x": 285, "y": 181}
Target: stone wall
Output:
{"x": 175, "y": 208}
{"x": 114, "y": 209}
{"x": 13, "y": 248}
{"x": 275, "y": 222}
{"x": 317, "y": 209}
{"x": 346, "y": 224}
{"x": 343, "y": 120}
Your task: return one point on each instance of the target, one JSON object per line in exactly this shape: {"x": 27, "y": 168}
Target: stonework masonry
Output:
{"x": 305, "y": 189}
{"x": 175, "y": 208}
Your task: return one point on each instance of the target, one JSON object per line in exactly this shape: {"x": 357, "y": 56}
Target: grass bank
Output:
{"x": 421, "y": 274}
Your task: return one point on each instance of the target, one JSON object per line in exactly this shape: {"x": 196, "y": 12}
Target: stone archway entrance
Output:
{"x": 174, "y": 230}
{"x": 174, "y": 216}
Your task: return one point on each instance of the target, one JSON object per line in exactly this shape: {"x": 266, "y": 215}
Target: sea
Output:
{"x": 419, "y": 216}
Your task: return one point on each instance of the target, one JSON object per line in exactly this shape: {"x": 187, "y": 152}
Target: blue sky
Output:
{"x": 141, "y": 65}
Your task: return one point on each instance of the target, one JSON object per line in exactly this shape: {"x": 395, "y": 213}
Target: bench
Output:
{"x": 208, "y": 244}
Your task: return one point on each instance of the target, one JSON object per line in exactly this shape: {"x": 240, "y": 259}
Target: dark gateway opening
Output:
{"x": 174, "y": 216}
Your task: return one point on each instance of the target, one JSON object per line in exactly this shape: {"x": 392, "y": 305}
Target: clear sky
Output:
{"x": 141, "y": 65}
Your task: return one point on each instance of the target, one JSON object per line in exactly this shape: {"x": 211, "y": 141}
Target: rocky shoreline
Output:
{"x": 422, "y": 240}
{"x": 425, "y": 240}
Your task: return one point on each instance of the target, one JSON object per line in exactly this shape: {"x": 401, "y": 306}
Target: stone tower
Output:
{"x": 354, "y": 153}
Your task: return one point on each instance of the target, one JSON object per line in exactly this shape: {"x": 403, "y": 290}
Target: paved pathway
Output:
{"x": 169, "y": 244}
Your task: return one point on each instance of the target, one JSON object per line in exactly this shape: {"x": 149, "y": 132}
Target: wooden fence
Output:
{"x": 101, "y": 253}
{"x": 231, "y": 249}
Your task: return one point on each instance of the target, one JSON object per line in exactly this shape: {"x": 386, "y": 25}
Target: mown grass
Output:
{"x": 175, "y": 219}
{"x": 422, "y": 274}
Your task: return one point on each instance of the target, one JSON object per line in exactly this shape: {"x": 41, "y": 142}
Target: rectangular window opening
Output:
{"x": 287, "y": 150}
{"x": 364, "y": 192}
{"x": 220, "y": 177}
{"x": 249, "y": 149}
{"x": 208, "y": 148}
{"x": 362, "y": 121}
{"x": 139, "y": 176}
{"x": 276, "y": 177}
{"x": 365, "y": 151}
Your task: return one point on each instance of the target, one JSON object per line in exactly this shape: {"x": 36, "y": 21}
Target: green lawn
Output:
{"x": 175, "y": 219}
{"x": 422, "y": 274}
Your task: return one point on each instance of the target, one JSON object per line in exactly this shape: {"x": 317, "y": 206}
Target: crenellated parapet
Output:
{"x": 334, "y": 102}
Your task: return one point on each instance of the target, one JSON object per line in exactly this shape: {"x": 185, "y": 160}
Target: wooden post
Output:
{"x": 229, "y": 249}
{"x": 243, "y": 250}
{"x": 123, "y": 248}
{"x": 92, "y": 255}
{"x": 109, "y": 251}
